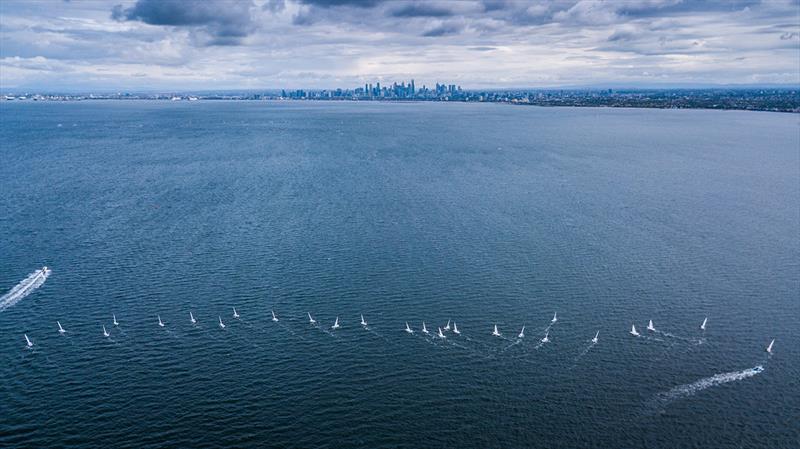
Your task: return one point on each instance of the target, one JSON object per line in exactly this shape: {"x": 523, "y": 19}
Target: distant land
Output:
{"x": 777, "y": 99}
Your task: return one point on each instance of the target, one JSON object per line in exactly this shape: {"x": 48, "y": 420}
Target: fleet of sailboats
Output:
{"x": 440, "y": 330}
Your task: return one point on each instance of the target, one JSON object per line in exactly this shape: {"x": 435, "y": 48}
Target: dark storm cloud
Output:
{"x": 421, "y": 10}
{"x": 225, "y": 21}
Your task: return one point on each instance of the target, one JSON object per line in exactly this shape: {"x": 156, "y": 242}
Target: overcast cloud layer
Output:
{"x": 252, "y": 44}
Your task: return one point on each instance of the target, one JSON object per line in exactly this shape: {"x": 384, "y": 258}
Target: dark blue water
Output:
{"x": 403, "y": 212}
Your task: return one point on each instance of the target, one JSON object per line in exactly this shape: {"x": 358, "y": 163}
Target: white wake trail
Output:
{"x": 24, "y": 288}
{"x": 585, "y": 351}
{"x": 682, "y": 391}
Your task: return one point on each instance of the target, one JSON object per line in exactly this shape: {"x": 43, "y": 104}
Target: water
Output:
{"x": 481, "y": 214}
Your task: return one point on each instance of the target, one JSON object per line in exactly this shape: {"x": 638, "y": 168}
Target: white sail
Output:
{"x": 447, "y": 328}
{"x": 274, "y": 318}
{"x": 191, "y": 318}
{"x": 633, "y": 331}
{"x": 546, "y": 337}
{"x": 221, "y": 324}
{"x": 160, "y": 323}
{"x": 522, "y": 332}
{"x": 496, "y": 332}
{"x": 336, "y": 324}
{"x": 28, "y": 340}
{"x": 114, "y": 317}
{"x": 594, "y": 340}
{"x": 703, "y": 326}
{"x": 408, "y": 328}
{"x": 60, "y": 329}
{"x": 441, "y": 335}
{"x": 455, "y": 329}
{"x": 769, "y": 348}
{"x": 311, "y": 320}
{"x": 235, "y": 314}
{"x": 650, "y": 326}
{"x": 555, "y": 317}
{"x": 105, "y": 332}
{"x": 424, "y": 329}
{"x": 363, "y": 322}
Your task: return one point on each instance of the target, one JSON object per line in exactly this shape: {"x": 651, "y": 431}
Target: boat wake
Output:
{"x": 683, "y": 391}
{"x": 695, "y": 341}
{"x": 24, "y": 288}
{"x": 585, "y": 351}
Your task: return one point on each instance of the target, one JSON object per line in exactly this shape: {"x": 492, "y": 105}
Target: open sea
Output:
{"x": 481, "y": 214}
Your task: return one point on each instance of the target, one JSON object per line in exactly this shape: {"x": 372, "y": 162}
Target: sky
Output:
{"x": 143, "y": 45}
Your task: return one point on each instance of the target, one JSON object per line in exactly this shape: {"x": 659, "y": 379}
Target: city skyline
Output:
{"x": 148, "y": 45}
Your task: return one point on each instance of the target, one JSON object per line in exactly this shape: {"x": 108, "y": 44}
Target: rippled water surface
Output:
{"x": 481, "y": 214}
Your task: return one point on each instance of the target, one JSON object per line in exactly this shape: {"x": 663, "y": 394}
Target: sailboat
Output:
{"x": 522, "y": 332}
{"x": 633, "y": 331}
{"x": 311, "y": 320}
{"x": 363, "y": 321}
{"x": 447, "y": 328}
{"x": 594, "y": 340}
{"x": 703, "y": 326}
{"x": 650, "y": 326}
{"x": 424, "y": 329}
{"x": 555, "y": 317}
{"x": 769, "y": 348}
{"x": 336, "y": 324}
{"x": 235, "y": 315}
{"x": 105, "y": 332}
{"x": 191, "y": 318}
{"x": 221, "y": 324}
{"x": 114, "y": 317}
{"x": 546, "y": 338}
{"x": 496, "y": 332}
{"x": 455, "y": 329}
{"x": 274, "y": 318}
{"x": 408, "y": 328}
{"x": 160, "y": 323}
{"x": 28, "y": 340}
{"x": 441, "y": 335}
{"x": 60, "y": 329}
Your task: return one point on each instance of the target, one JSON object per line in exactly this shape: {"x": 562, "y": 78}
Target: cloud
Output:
{"x": 224, "y": 22}
{"x": 341, "y": 43}
{"x": 444, "y": 29}
{"x": 335, "y": 3}
{"x": 274, "y": 6}
{"x": 421, "y": 10}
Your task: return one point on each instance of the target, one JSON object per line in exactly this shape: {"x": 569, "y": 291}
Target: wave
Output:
{"x": 24, "y": 288}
